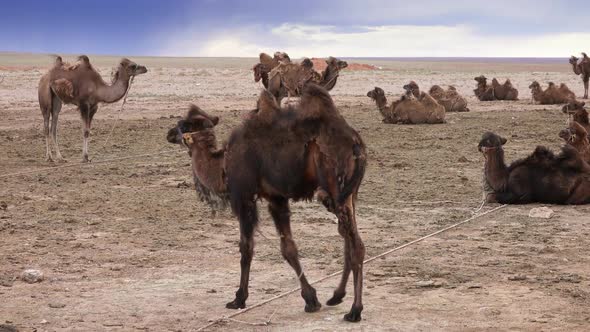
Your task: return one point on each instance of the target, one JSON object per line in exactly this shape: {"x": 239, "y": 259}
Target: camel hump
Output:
{"x": 316, "y": 102}
{"x": 265, "y": 59}
{"x": 58, "y": 62}
{"x": 267, "y": 106}
{"x": 584, "y": 55}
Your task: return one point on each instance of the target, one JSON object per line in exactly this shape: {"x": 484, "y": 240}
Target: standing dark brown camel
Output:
{"x": 582, "y": 68}
{"x": 541, "y": 177}
{"x": 321, "y": 153}
{"x": 80, "y": 84}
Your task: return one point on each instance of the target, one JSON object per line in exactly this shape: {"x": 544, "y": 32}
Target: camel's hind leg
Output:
{"x": 45, "y": 104}
{"x": 46, "y": 118}
{"x": 55, "y": 109}
{"x": 279, "y": 210}
{"x": 586, "y": 79}
{"x": 347, "y": 228}
{"x": 247, "y": 213}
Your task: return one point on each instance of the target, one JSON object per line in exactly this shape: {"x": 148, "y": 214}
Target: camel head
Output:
{"x": 573, "y": 60}
{"x": 535, "y": 86}
{"x": 128, "y": 68}
{"x": 336, "y": 63}
{"x": 573, "y": 107}
{"x": 259, "y": 70}
{"x": 195, "y": 120}
{"x": 481, "y": 79}
{"x": 376, "y": 93}
{"x": 574, "y": 133}
{"x": 490, "y": 141}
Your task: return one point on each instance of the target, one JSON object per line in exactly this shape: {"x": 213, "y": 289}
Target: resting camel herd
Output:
{"x": 325, "y": 156}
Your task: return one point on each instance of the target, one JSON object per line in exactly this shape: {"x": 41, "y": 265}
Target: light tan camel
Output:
{"x": 81, "y": 85}
{"x": 551, "y": 95}
{"x": 504, "y": 91}
{"x": 409, "y": 109}
{"x": 576, "y": 136}
{"x": 450, "y": 99}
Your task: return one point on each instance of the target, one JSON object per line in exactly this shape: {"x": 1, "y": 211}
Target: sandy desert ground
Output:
{"x": 127, "y": 246}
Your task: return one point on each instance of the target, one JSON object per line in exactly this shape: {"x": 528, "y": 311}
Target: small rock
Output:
{"x": 541, "y": 212}
{"x": 3, "y": 206}
{"x": 212, "y": 291}
{"x": 474, "y": 286}
{"x": 32, "y": 276}
{"x": 57, "y": 305}
{"x": 425, "y": 284}
{"x": 463, "y": 159}
{"x": 44, "y": 321}
{"x": 517, "y": 277}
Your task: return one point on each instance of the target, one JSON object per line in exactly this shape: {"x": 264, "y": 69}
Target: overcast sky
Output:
{"x": 369, "y": 28}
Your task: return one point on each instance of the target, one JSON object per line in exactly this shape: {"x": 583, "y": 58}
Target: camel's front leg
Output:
{"x": 87, "y": 112}
{"x": 248, "y": 216}
{"x": 586, "y": 79}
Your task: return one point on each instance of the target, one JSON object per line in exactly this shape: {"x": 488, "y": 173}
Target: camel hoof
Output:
{"x": 49, "y": 159}
{"x": 236, "y": 304}
{"x": 354, "y": 316}
{"x": 336, "y": 299}
{"x": 312, "y": 306}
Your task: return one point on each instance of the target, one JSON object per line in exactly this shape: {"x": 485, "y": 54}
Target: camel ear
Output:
{"x": 503, "y": 140}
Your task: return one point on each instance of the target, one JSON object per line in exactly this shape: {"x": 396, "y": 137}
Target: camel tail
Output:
{"x": 351, "y": 186}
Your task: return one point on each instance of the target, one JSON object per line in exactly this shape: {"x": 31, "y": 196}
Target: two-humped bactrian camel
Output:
{"x": 582, "y": 68}
{"x": 496, "y": 91}
{"x": 80, "y": 84}
{"x": 408, "y": 109}
{"x": 282, "y": 77}
{"x": 576, "y": 136}
{"x": 450, "y": 99}
{"x": 321, "y": 153}
{"x": 578, "y": 112}
{"x": 551, "y": 95}
{"x": 541, "y": 177}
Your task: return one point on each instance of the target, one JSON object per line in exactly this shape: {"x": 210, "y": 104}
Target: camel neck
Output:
{"x": 114, "y": 92}
{"x": 495, "y": 170}
{"x": 576, "y": 68}
{"x": 207, "y": 161}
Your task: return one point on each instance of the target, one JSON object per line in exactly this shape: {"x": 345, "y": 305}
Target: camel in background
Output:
{"x": 496, "y": 91}
{"x": 576, "y": 136}
{"x": 582, "y": 69}
{"x": 81, "y": 85}
{"x": 551, "y": 95}
{"x": 409, "y": 109}
{"x": 450, "y": 99}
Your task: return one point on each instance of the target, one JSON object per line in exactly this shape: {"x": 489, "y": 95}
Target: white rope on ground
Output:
{"x": 231, "y": 316}
{"x": 83, "y": 164}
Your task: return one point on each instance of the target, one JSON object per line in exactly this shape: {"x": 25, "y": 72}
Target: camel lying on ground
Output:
{"x": 579, "y": 114}
{"x": 582, "y": 68}
{"x": 541, "y": 177}
{"x": 322, "y": 154}
{"x": 551, "y": 95}
{"x": 496, "y": 91}
{"x": 576, "y": 136}
{"x": 80, "y": 84}
{"x": 409, "y": 109}
{"x": 450, "y": 99}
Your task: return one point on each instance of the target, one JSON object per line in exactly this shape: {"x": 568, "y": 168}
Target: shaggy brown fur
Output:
{"x": 80, "y": 84}
{"x": 551, "y": 95}
{"x": 541, "y": 177}
{"x": 409, "y": 109}
{"x": 582, "y": 68}
{"x": 321, "y": 153}
{"x": 576, "y": 136}
{"x": 579, "y": 113}
{"x": 504, "y": 91}
{"x": 450, "y": 99}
